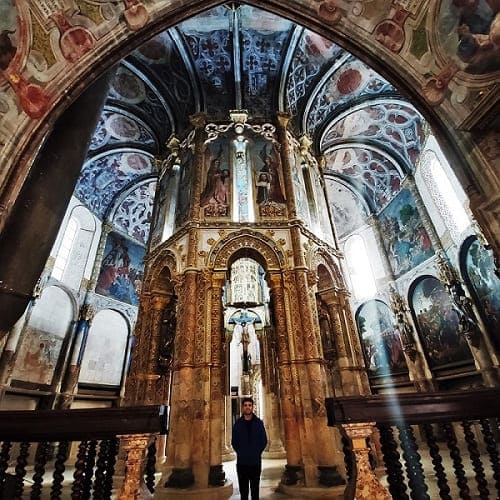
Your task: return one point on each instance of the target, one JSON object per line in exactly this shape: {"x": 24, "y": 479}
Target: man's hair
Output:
{"x": 246, "y": 400}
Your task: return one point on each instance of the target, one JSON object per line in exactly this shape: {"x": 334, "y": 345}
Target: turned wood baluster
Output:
{"x": 491, "y": 447}
{"x": 437, "y": 462}
{"x": 59, "y": 467}
{"x": 110, "y": 467}
{"x": 90, "y": 452}
{"x": 4, "y": 463}
{"x": 100, "y": 471}
{"x": 79, "y": 474}
{"x": 348, "y": 457}
{"x": 451, "y": 441}
{"x": 395, "y": 478}
{"x": 41, "y": 455}
{"x": 475, "y": 457}
{"x": 22, "y": 460}
{"x": 413, "y": 463}
{"x": 151, "y": 467}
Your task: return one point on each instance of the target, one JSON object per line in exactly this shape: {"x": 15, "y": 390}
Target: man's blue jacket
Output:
{"x": 249, "y": 440}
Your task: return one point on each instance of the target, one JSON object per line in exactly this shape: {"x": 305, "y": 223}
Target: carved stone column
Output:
{"x": 216, "y": 476}
{"x": 364, "y": 483}
{"x": 135, "y": 447}
{"x": 287, "y": 398}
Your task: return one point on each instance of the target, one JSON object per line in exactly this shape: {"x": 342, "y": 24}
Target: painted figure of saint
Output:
{"x": 269, "y": 184}
{"x": 216, "y": 193}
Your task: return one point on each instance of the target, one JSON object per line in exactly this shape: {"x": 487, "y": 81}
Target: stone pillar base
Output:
{"x": 229, "y": 457}
{"x": 336, "y": 492}
{"x": 274, "y": 454}
{"x": 211, "y": 493}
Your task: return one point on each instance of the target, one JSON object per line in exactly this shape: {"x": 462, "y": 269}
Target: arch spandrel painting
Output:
{"x": 438, "y": 323}
{"x": 469, "y": 33}
{"x": 380, "y": 341}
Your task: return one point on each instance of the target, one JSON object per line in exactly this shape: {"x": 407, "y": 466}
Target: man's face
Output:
{"x": 247, "y": 408}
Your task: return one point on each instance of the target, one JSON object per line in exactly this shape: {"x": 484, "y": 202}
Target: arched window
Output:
{"x": 444, "y": 195}
{"x": 359, "y": 268}
{"x": 65, "y": 248}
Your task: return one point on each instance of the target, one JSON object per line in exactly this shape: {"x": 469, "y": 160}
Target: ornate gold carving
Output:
{"x": 367, "y": 484}
{"x": 226, "y": 247}
{"x": 272, "y": 209}
{"x": 211, "y": 242}
{"x": 135, "y": 446}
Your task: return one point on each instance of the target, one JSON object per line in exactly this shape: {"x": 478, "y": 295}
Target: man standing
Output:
{"x": 249, "y": 441}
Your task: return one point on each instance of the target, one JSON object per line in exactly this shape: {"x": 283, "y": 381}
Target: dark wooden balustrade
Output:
{"x": 434, "y": 445}
{"x": 48, "y": 435}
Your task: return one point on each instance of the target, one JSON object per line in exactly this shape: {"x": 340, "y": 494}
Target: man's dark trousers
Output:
{"x": 249, "y": 474}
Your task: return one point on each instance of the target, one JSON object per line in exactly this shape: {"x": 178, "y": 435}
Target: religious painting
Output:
{"x": 160, "y": 210}
{"x": 405, "y": 238}
{"x": 215, "y": 197}
{"x": 122, "y": 270}
{"x": 8, "y": 29}
{"x": 185, "y": 187}
{"x": 48, "y": 325}
{"x": 438, "y": 324}
{"x": 299, "y": 190}
{"x": 268, "y": 175}
{"x": 380, "y": 340}
{"x": 469, "y": 32}
{"x": 478, "y": 269}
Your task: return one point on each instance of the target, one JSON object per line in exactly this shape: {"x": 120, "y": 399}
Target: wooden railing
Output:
{"x": 425, "y": 439}
{"x": 40, "y": 441}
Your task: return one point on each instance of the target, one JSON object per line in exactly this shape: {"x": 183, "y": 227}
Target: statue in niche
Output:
{"x": 269, "y": 184}
{"x": 245, "y": 341}
{"x": 167, "y": 336}
{"x": 326, "y": 331}
{"x": 215, "y": 197}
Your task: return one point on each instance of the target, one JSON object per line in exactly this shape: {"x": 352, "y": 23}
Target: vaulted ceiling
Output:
{"x": 240, "y": 57}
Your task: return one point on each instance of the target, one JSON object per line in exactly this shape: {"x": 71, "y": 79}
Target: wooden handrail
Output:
{"x": 414, "y": 408}
{"x": 78, "y": 425}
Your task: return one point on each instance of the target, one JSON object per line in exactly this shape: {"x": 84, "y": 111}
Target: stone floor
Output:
{"x": 271, "y": 475}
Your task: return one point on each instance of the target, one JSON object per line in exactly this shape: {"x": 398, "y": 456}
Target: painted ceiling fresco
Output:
{"x": 104, "y": 177}
{"x": 133, "y": 214}
{"x": 393, "y": 124}
{"x": 348, "y": 210}
{"x": 372, "y": 174}
{"x": 233, "y": 57}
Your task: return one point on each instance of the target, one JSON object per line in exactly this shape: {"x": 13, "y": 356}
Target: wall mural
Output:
{"x": 299, "y": 188}
{"x": 43, "y": 337}
{"x": 160, "y": 211}
{"x": 469, "y": 31}
{"x": 438, "y": 323}
{"x": 405, "y": 238}
{"x": 478, "y": 268}
{"x": 215, "y": 197}
{"x": 122, "y": 270}
{"x": 381, "y": 343}
{"x": 133, "y": 214}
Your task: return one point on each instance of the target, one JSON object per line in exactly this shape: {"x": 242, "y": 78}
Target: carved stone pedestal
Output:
{"x": 210, "y": 493}
{"x": 336, "y": 492}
